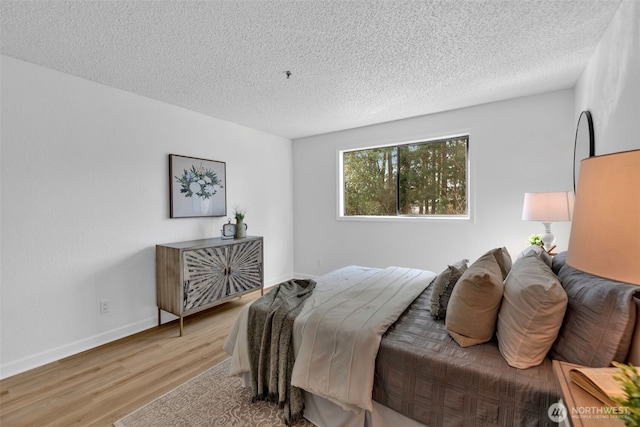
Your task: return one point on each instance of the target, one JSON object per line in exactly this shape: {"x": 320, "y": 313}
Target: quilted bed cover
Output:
{"x": 424, "y": 375}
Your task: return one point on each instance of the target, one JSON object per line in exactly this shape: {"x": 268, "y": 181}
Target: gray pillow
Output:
{"x": 443, "y": 286}
{"x": 504, "y": 260}
{"x": 600, "y": 318}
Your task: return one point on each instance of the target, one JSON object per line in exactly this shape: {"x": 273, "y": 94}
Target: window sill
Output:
{"x": 403, "y": 218}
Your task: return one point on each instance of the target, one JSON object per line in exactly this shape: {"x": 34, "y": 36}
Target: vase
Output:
{"x": 201, "y": 206}
{"x": 241, "y": 229}
{"x": 196, "y": 205}
{"x": 207, "y": 206}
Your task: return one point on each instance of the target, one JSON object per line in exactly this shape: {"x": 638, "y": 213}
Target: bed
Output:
{"x": 419, "y": 375}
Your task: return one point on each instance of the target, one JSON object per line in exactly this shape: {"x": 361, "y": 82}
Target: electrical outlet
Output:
{"x": 105, "y": 306}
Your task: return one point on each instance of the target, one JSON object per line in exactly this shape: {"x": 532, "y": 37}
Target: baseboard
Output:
{"x": 304, "y": 276}
{"x": 36, "y": 360}
{"x": 272, "y": 282}
{"x": 22, "y": 365}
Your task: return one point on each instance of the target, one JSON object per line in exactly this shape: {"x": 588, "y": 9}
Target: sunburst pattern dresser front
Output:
{"x": 195, "y": 275}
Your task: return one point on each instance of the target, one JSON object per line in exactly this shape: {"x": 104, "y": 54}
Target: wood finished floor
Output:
{"x": 102, "y": 385}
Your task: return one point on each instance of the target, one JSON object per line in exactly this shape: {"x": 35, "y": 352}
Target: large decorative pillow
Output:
{"x": 443, "y": 286}
{"x": 473, "y": 307}
{"x": 535, "y": 250}
{"x": 634, "y": 348}
{"x": 504, "y": 260}
{"x": 531, "y": 313}
{"x": 600, "y": 317}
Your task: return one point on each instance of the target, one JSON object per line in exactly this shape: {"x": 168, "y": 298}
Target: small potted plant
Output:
{"x": 241, "y": 227}
{"x": 535, "y": 240}
{"x": 630, "y": 380}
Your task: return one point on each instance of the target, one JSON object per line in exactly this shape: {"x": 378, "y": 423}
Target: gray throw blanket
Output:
{"x": 270, "y": 335}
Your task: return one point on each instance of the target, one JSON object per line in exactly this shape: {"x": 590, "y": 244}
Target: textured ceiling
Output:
{"x": 352, "y": 63}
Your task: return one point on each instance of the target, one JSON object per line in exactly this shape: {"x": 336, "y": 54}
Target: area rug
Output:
{"x": 213, "y": 398}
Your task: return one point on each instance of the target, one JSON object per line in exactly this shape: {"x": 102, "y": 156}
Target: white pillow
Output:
{"x": 531, "y": 313}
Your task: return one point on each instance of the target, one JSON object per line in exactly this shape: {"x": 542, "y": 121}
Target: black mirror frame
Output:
{"x": 580, "y": 145}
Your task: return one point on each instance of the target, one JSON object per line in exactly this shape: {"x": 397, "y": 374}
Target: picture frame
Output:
{"x": 197, "y": 187}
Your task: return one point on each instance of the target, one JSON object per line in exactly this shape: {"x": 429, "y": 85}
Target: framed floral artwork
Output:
{"x": 197, "y": 187}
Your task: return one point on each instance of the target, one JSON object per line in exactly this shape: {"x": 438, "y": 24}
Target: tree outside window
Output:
{"x": 427, "y": 178}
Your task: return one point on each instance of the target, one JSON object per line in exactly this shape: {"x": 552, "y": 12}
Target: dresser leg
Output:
{"x": 159, "y": 316}
{"x": 181, "y": 325}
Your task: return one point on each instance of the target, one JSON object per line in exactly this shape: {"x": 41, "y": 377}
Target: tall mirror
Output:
{"x": 584, "y": 146}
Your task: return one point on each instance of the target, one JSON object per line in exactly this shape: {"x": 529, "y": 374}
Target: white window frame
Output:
{"x": 406, "y": 217}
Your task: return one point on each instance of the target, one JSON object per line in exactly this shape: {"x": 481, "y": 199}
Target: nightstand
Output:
{"x": 583, "y": 409}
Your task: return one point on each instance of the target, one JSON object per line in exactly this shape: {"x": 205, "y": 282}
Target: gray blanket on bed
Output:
{"x": 270, "y": 328}
{"x": 425, "y": 375}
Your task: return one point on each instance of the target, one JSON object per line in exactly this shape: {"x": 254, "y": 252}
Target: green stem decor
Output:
{"x": 630, "y": 380}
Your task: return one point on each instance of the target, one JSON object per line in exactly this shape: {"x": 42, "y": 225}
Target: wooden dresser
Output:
{"x": 195, "y": 275}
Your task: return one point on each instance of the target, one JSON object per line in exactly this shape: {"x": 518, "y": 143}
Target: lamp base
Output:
{"x": 548, "y": 239}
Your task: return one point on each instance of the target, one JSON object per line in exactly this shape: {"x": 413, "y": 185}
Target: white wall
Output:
{"x": 85, "y": 199}
{"x": 610, "y": 85}
{"x": 516, "y": 146}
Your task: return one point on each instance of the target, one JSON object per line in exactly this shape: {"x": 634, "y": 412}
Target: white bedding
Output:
{"x": 327, "y": 286}
{"x": 341, "y": 333}
{"x": 338, "y": 332}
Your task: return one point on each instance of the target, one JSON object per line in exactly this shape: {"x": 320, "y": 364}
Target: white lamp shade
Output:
{"x": 605, "y": 233}
{"x": 548, "y": 207}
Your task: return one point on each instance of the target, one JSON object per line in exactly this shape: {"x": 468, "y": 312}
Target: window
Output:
{"x": 426, "y": 178}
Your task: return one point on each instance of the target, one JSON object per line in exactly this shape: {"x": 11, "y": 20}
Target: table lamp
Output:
{"x": 547, "y": 208}
{"x": 605, "y": 233}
